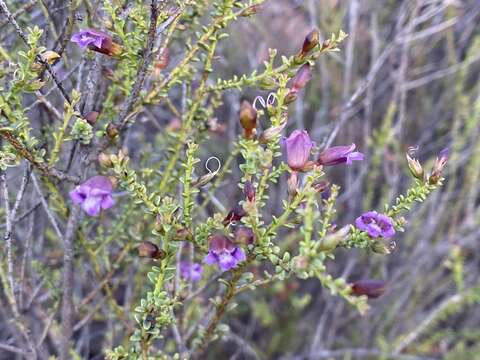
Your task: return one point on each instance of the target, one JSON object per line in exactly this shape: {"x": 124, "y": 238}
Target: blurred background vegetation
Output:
{"x": 407, "y": 77}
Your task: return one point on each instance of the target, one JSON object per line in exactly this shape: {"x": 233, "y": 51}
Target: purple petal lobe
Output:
{"x": 92, "y": 206}
{"x": 107, "y": 202}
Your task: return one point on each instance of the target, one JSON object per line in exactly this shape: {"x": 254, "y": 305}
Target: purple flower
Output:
{"x": 96, "y": 40}
{"x": 298, "y": 146}
{"x": 191, "y": 271}
{"x": 87, "y": 37}
{"x": 224, "y": 253}
{"x": 338, "y": 155}
{"x": 94, "y": 195}
{"x": 375, "y": 224}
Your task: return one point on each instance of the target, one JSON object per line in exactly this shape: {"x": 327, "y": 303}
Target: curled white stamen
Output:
{"x": 260, "y": 100}
{"x": 218, "y": 163}
{"x": 412, "y": 149}
{"x": 17, "y": 75}
{"x": 272, "y": 97}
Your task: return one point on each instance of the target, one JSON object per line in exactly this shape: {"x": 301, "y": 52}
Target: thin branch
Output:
{"x": 143, "y": 68}
{"x": 67, "y": 283}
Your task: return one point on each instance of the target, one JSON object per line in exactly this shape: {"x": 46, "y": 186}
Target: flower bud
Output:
{"x": 112, "y": 131}
{"x": 291, "y": 97}
{"x": 162, "y": 61}
{"x": 244, "y": 236}
{"x": 371, "y": 288}
{"x": 311, "y": 40}
{"x": 300, "y": 263}
{"x": 150, "y": 250}
{"x": 105, "y": 160}
{"x": 251, "y": 10}
{"x": 331, "y": 241}
{"x": 383, "y": 246}
{"x": 236, "y": 214}
{"x": 203, "y": 180}
{"x": 320, "y": 186}
{"x": 183, "y": 234}
{"x": 249, "y": 191}
{"x": 50, "y": 56}
{"x": 415, "y": 167}
{"x": 248, "y": 119}
{"x": 438, "y": 167}
{"x": 92, "y": 117}
{"x": 271, "y": 133}
{"x": 267, "y": 83}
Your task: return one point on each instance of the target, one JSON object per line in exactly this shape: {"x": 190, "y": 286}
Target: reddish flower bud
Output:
{"x": 162, "y": 61}
{"x": 249, "y": 191}
{"x": 438, "y": 167}
{"x": 248, "y": 118}
{"x": 150, "y": 250}
{"x": 371, "y": 288}
{"x": 92, "y": 117}
{"x": 183, "y": 234}
{"x": 236, "y": 214}
{"x": 244, "y": 235}
{"x": 311, "y": 40}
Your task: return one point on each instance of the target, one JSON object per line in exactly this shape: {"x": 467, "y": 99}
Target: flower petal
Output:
{"x": 78, "y": 195}
{"x": 92, "y": 205}
{"x": 107, "y": 202}
{"x": 210, "y": 259}
{"x": 239, "y": 254}
{"x": 226, "y": 261}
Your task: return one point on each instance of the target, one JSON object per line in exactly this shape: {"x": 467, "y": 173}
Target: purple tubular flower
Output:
{"x": 87, "y": 37}
{"x": 191, "y": 271}
{"x": 94, "y": 195}
{"x": 98, "y": 41}
{"x": 224, "y": 253}
{"x": 375, "y": 224}
{"x": 298, "y": 146}
{"x": 338, "y": 155}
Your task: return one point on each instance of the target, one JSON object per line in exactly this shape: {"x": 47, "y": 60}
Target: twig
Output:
{"x": 19, "y": 12}
{"x": 42, "y": 166}
{"x": 45, "y": 207}
{"x": 142, "y": 71}
{"x": 67, "y": 283}
{"x": 8, "y": 240}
